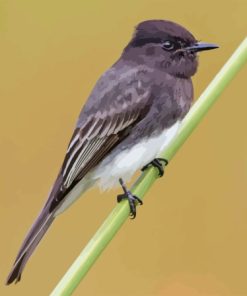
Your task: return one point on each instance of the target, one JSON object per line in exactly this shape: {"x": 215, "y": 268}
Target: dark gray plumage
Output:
{"x": 146, "y": 92}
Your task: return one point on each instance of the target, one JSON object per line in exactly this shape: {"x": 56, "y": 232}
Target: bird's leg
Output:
{"x": 157, "y": 163}
{"x": 131, "y": 198}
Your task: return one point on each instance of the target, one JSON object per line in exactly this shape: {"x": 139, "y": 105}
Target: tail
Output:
{"x": 30, "y": 243}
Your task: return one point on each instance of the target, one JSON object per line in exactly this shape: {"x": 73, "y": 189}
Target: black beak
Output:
{"x": 200, "y": 46}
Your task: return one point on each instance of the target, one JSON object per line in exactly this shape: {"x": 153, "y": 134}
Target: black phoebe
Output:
{"x": 133, "y": 112}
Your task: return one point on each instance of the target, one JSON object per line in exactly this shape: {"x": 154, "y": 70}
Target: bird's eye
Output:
{"x": 168, "y": 45}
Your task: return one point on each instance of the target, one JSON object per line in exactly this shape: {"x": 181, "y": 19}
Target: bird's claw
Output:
{"x": 132, "y": 199}
{"x": 157, "y": 163}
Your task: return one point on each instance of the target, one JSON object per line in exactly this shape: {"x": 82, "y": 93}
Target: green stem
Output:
{"x": 120, "y": 213}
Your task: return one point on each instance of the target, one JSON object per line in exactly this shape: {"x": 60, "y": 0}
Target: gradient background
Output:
{"x": 190, "y": 237}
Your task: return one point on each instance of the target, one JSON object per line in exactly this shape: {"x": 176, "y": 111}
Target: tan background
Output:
{"x": 190, "y": 237}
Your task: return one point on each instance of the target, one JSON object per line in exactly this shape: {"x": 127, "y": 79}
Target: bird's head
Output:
{"x": 166, "y": 45}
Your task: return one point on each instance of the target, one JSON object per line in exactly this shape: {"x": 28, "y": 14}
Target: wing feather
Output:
{"x": 96, "y": 141}
{"x": 100, "y": 128}
{"x": 80, "y": 161}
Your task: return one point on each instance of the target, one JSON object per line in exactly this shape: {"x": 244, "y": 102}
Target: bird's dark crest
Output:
{"x": 157, "y": 30}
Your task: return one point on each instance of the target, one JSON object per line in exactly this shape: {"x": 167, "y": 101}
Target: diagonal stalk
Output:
{"x": 120, "y": 213}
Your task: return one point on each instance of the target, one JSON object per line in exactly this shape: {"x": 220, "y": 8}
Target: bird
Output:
{"x": 133, "y": 112}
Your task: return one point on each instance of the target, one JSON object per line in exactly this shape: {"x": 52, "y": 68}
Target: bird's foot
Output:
{"x": 157, "y": 163}
{"x": 132, "y": 199}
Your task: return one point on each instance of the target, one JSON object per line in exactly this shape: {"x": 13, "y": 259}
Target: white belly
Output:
{"x": 126, "y": 163}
